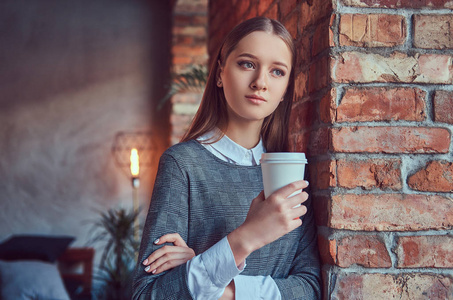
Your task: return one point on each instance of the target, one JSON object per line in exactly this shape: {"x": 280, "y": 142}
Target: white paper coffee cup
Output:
{"x": 280, "y": 169}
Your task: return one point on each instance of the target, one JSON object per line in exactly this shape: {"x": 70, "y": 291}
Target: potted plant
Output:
{"x": 115, "y": 228}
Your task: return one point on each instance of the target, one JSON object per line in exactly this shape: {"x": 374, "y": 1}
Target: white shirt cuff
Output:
{"x": 256, "y": 287}
{"x": 210, "y": 272}
{"x": 220, "y": 264}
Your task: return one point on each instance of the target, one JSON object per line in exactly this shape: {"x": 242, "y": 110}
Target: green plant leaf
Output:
{"x": 193, "y": 81}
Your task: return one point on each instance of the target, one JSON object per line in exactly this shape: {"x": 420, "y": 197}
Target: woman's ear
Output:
{"x": 218, "y": 75}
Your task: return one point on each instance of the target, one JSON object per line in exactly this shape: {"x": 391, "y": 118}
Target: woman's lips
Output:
{"x": 255, "y": 98}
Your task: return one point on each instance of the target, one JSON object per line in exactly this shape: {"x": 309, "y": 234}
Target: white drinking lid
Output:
{"x": 284, "y": 156}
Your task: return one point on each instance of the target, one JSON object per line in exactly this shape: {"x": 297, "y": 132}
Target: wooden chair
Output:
{"x": 78, "y": 283}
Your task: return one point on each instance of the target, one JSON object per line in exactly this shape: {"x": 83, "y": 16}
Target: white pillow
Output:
{"x": 28, "y": 280}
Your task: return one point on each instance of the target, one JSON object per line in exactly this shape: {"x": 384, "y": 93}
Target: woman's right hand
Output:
{"x": 268, "y": 219}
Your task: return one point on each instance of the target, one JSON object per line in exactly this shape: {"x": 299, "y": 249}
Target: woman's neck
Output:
{"x": 247, "y": 135}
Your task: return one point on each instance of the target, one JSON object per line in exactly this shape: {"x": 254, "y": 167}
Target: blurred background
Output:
{"x": 75, "y": 74}
{"x": 82, "y": 83}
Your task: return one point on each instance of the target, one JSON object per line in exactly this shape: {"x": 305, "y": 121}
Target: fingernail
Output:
{"x": 156, "y": 241}
{"x": 145, "y": 262}
{"x": 307, "y": 182}
{"x": 147, "y": 268}
{"x": 154, "y": 271}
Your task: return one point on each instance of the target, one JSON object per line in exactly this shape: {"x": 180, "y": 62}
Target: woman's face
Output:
{"x": 255, "y": 76}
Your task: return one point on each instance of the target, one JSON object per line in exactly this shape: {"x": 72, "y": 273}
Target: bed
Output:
{"x": 44, "y": 267}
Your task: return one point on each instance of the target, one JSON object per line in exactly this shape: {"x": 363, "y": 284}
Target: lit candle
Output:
{"x": 134, "y": 163}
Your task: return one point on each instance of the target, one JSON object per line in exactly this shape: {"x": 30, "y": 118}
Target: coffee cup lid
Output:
{"x": 284, "y": 156}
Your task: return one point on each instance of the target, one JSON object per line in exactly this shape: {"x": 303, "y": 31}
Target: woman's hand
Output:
{"x": 168, "y": 257}
{"x": 229, "y": 292}
{"x": 268, "y": 219}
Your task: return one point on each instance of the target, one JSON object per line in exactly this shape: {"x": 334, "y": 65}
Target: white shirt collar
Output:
{"x": 230, "y": 151}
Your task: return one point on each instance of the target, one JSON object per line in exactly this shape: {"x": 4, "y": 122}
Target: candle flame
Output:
{"x": 134, "y": 163}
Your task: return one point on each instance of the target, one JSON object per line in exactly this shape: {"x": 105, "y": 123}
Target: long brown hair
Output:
{"x": 213, "y": 108}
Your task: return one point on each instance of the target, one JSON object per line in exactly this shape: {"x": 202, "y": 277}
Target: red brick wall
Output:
{"x": 389, "y": 205}
{"x": 190, "y": 23}
{"x": 373, "y": 110}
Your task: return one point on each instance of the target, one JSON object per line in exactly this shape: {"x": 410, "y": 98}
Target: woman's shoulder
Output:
{"x": 183, "y": 152}
{"x": 188, "y": 148}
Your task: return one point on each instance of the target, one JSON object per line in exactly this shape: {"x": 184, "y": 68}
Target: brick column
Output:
{"x": 373, "y": 111}
{"x": 386, "y": 230}
{"x": 189, "y": 49}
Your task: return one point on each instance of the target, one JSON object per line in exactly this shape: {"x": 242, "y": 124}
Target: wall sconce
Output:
{"x": 135, "y": 170}
{"x": 133, "y": 152}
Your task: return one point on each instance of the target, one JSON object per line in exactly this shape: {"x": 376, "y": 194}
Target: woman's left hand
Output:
{"x": 168, "y": 257}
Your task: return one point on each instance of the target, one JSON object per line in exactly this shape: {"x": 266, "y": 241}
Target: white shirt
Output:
{"x": 227, "y": 150}
{"x": 210, "y": 272}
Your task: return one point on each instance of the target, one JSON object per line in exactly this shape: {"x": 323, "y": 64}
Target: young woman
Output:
{"x": 210, "y": 233}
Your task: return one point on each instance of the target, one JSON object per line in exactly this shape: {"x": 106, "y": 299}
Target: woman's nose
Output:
{"x": 259, "y": 82}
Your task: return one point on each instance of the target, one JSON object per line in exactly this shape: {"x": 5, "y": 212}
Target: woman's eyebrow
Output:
{"x": 279, "y": 63}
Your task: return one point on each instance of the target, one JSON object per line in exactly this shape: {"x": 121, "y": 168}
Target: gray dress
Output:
{"x": 203, "y": 199}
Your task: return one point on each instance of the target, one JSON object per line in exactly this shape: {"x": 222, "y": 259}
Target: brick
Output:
{"x": 319, "y": 74}
{"x": 190, "y": 6}
{"x": 327, "y": 250}
{"x": 303, "y": 115}
{"x": 263, "y": 6}
{"x": 399, "y": 3}
{"x": 183, "y": 40}
{"x": 363, "y": 250}
{"x": 241, "y": 7}
{"x": 300, "y": 141}
{"x": 443, "y": 106}
{"x": 286, "y": 7}
{"x": 333, "y": 18}
{"x": 372, "y": 30}
{"x": 181, "y": 120}
{"x": 193, "y": 98}
{"x": 313, "y": 11}
{"x": 433, "y": 31}
{"x": 319, "y": 141}
{"x": 251, "y": 13}
{"x": 190, "y": 51}
{"x": 369, "y": 174}
{"x": 391, "y": 139}
{"x": 185, "y": 109}
{"x": 324, "y": 173}
{"x": 425, "y": 251}
{"x": 321, "y": 38}
{"x": 301, "y": 86}
{"x": 322, "y": 208}
{"x": 382, "y": 104}
{"x": 352, "y": 286}
{"x": 291, "y": 24}
{"x": 190, "y": 30}
{"x": 390, "y": 212}
{"x": 327, "y": 107}
{"x": 397, "y": 67}
{"x": 272, "y": 13}
{"x": 178, "y": 131}
{"x": 304, "y": 57}
{"x": 434, "y": 68}
{"x": 436, "y": 177}
{"x": 192, "y": 19}
{"x": 181, "y": 60}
